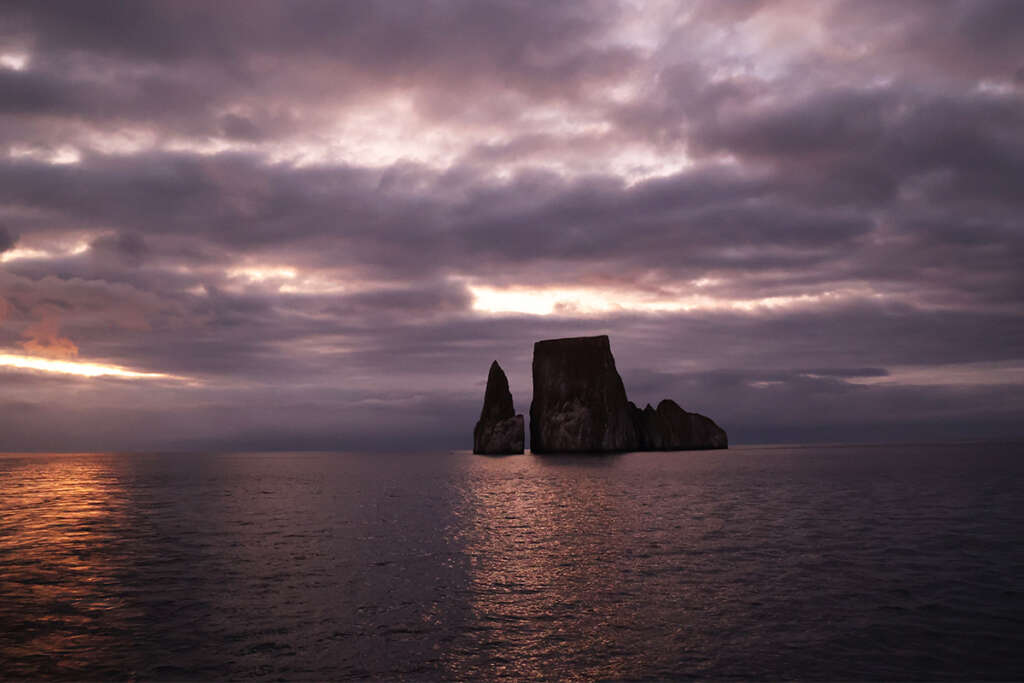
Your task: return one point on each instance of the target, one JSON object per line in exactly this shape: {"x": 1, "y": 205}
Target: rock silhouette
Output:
{"x": 670, "y": 428}
{"x": 579, "y": 402}
{"x": 499, "y": 431}
{"x": 580, "y": 405}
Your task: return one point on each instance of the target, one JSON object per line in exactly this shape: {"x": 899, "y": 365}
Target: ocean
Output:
{"x": 796, "y": 562}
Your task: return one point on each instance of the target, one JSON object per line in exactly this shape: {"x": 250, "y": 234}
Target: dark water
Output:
{"x": 845, "y": 562}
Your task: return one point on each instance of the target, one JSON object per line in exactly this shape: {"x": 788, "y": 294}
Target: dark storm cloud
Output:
{"x": 174, "y": 198}
{"x": 865, "y": 147}
{"x": 6, "y": 239}
{"x": 947, "y": 37}
{"x": 375, "y": 36}
{"x": 701, "y": 220}
{"x": 177, "y": 66}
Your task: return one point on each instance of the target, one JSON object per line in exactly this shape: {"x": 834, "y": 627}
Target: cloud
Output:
{"x": 43, "y": 336}
{"x": 7, "y": 241}
{"x": 294, "y": 205}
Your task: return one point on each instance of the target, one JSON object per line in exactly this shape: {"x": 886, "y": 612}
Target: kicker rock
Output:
{"x": 499, "y": 431}
{"x": 580, "y": 405}
{"x": 579, "y": 402}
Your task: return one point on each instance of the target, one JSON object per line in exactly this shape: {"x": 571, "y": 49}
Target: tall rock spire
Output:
{"x": 499, "y": 431}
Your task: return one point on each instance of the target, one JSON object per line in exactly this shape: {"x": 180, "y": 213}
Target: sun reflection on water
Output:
{"x": 60, "y": 520}
{"x": 535, "y": 595}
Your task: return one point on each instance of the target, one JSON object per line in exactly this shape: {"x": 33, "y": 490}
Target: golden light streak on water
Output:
{"x": 59, "y": 524}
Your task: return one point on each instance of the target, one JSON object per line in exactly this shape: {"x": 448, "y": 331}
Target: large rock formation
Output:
{"x": 499, "y": 431}
{"x": 670, "y": 428}
{"x": 580, "y": 405}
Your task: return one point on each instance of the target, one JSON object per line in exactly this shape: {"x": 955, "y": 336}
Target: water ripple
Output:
{"x": 852, "y": 563}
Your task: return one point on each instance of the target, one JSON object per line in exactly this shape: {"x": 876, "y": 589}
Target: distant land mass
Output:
{"x": 580, "y": 406}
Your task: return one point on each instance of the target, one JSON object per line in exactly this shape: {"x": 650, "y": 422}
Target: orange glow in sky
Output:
{"x": 80, "y": 368}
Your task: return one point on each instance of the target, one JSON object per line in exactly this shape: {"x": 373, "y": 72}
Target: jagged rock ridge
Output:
{"x": 499, "y": 431}
{"x": 670, "y": 428}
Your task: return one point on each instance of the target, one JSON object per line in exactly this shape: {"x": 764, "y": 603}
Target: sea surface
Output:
{"x": 809, "y": 562}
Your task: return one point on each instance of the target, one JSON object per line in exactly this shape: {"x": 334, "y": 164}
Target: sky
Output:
{"x": 313, "y": 225}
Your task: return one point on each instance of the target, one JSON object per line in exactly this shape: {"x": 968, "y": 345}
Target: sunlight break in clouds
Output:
{"x": 959, "y": 374}
{"x": 262, "y": 273}
{"x": 284, "y": 280}
{"x": 32, "y": 253}
{"x": 596, "y": 301}
{"x": 80, "y": 368}
{"x": 63, "y": 155}
{"x": 15, "y": 61}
